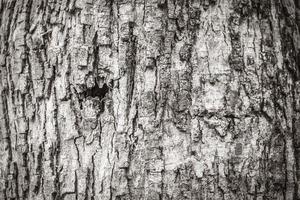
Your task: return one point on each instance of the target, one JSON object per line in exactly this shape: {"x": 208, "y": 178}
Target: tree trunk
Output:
{"x": 149, "y": 99}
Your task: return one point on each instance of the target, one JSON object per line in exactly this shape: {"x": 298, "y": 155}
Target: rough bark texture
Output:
{"x": 149, "y": 99}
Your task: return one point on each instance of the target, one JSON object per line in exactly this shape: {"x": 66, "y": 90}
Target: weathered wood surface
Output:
{"x": 149, "y": 99}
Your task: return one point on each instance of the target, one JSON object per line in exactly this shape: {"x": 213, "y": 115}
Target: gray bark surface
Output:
{"x": 149, "y": 99}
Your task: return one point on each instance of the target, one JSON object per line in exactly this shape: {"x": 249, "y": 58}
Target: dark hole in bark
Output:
{"x": 96, "y": 91}
{"x": 162, "y": 4}
{"x": 193, "y": 153}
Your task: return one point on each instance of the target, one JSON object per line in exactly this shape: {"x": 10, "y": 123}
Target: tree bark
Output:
{"x": 149, "y": 99}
